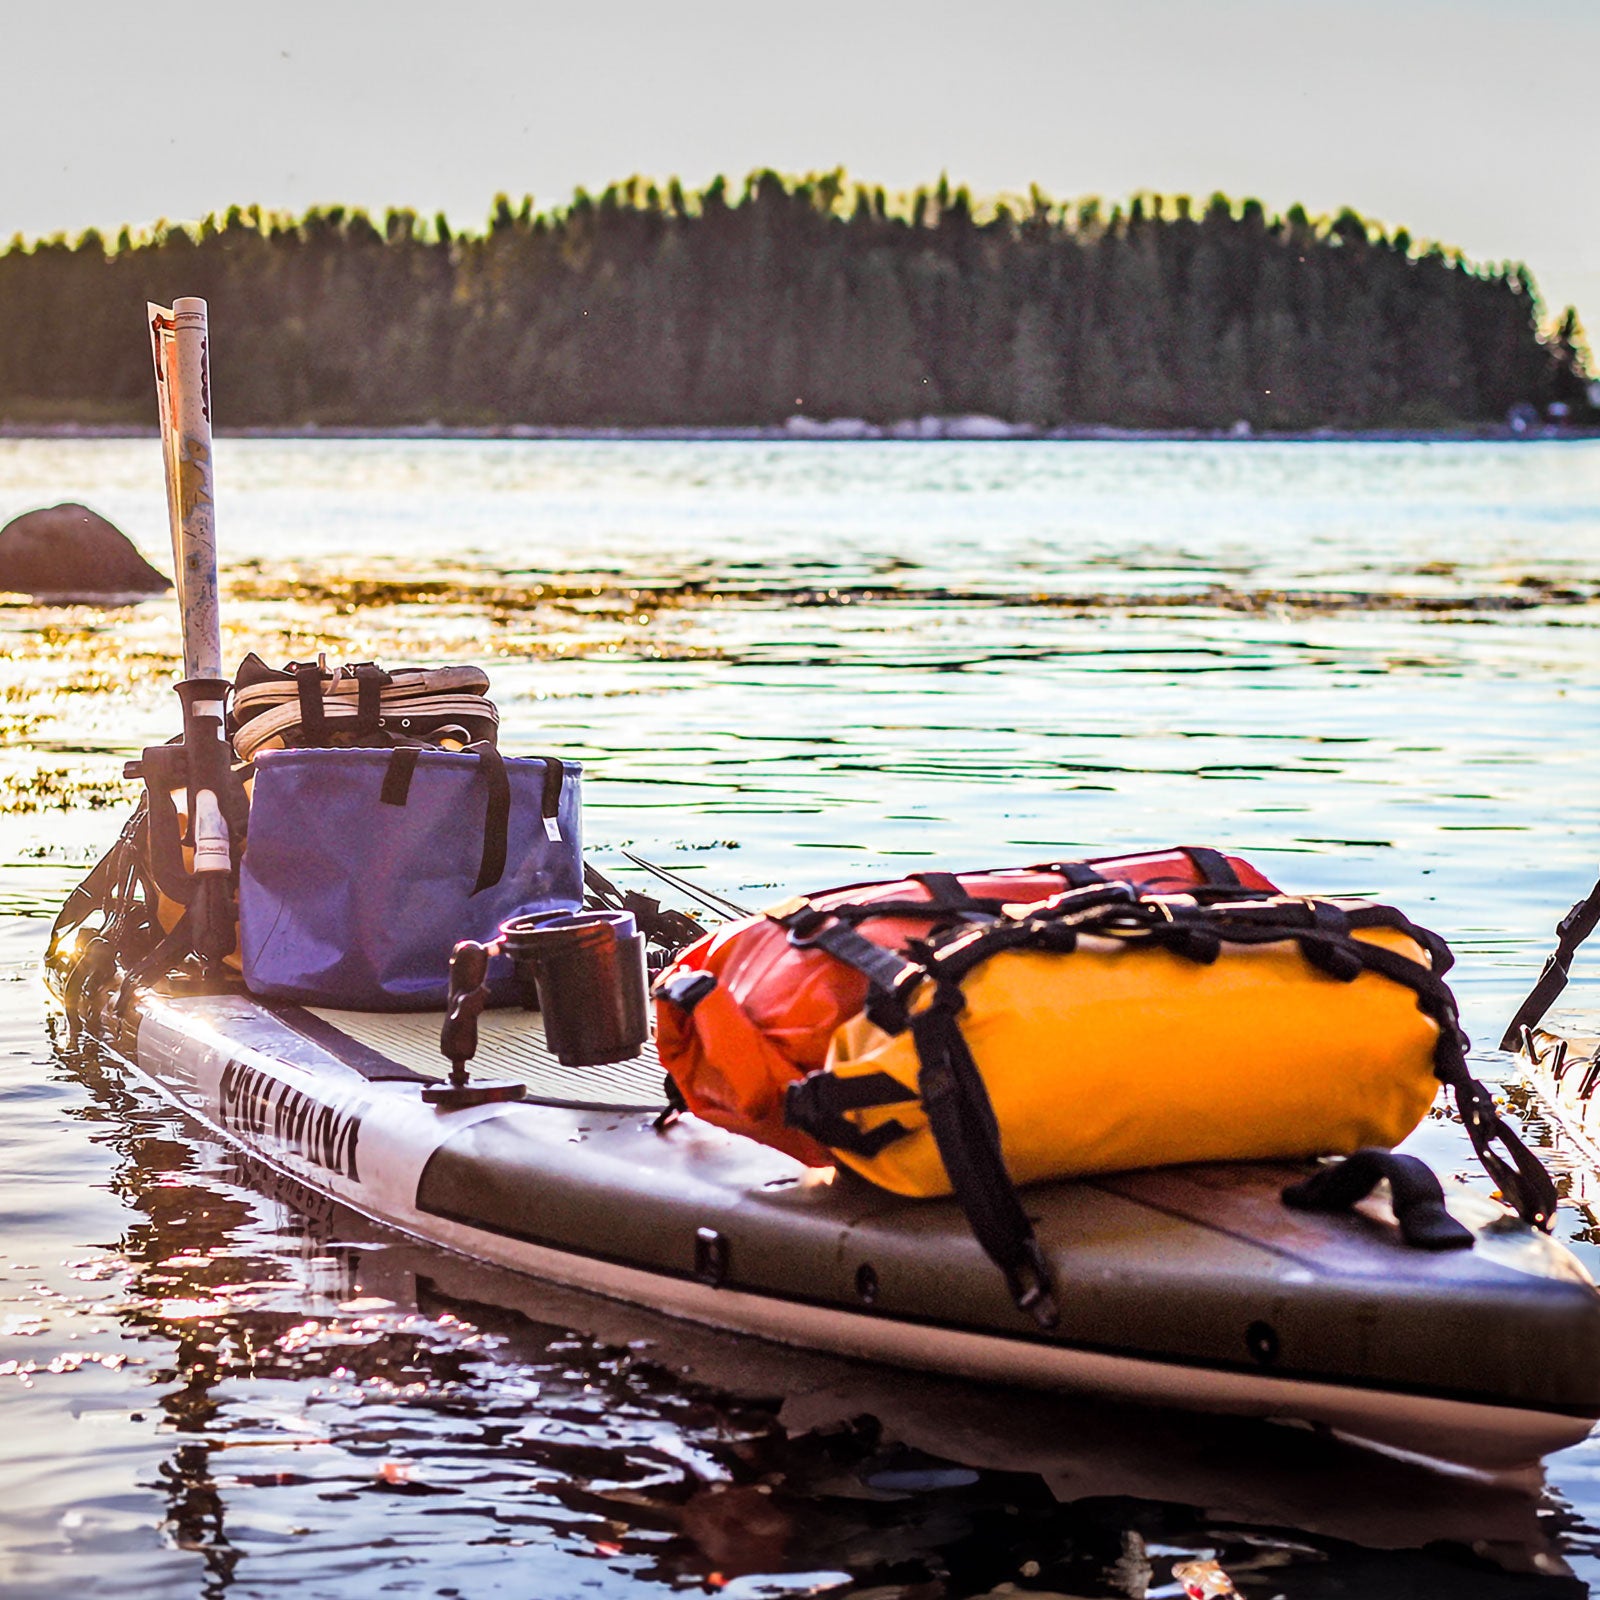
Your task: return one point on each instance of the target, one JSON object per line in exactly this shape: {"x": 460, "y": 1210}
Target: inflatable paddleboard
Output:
{"x": 1192, "y": 1287}
{"x": 1185, "y": 1287}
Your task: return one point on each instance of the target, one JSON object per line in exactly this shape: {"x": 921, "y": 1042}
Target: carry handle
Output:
{"x": 1416, "y": 1194}
{"x": 497, "y": 819}
{"x": 396, "y": 790}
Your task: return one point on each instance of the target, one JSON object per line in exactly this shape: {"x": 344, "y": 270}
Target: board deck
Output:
{"x": 511, "y": 1048}
{"x": 1190, "y": 1287}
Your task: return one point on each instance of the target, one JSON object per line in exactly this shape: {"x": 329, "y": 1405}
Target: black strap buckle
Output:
{"x": 799, "y": 917}
{"x": 1071, "y": 902}
{"x": 685, "y": 988}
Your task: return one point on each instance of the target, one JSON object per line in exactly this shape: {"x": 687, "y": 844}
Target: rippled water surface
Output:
{"x": 1373, "y": 668}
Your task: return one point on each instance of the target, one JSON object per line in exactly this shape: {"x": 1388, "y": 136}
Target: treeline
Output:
{"x": 649, "y": 305}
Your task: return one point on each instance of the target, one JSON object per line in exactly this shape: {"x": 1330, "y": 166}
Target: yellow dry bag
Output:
{"x": 1106, "y": 1030}
{"x": 1126, "y": 1056}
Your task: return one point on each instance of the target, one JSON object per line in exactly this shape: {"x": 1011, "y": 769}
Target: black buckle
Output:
{"x": 685, "y": 990}
{"x": 1071, "y": 901}
{"x": 803, "y": 920}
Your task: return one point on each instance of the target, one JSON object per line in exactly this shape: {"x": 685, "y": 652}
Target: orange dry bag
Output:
{"x": 753, "y": 1007}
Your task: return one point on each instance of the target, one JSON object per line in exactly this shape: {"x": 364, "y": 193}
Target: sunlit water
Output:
{"x": 1373, "y": 669}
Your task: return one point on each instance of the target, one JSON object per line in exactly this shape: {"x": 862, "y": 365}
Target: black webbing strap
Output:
{"x": 401, "y": 768}
{"x": 816, "y": 1104}
{"x": 1416, "y": 1194}
{"x": 1518, "y": 1172}
{"x": 397, "y": 775}
{"x": 932, "y": 912}
{"x": 962, "y": 1121}
{"x": 1078, "y": 874}
{"x": 1571, "y": 931}
{"x": 497, "y": 818}
{"x": 308, "y": 686}
{"x": 1215, "y": 870}
{"x": 949, "y": 893}
{"x": 1522, "y": 1179}
{"x": 810, "y": 925}
{"x": 949, "y": 899}
{"x": 371, "y": 681}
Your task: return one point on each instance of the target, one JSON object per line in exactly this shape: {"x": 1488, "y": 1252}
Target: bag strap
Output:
{"x": 964, "y": 1127}
{"x": 1515, "y": 1169}
{"x": 371, "y": 681}
{"x": 308, "y": 676}
{"x": 1076, "y": 874}
{"x": 497, "y": 818}
{"x": 817, "y": 1103}
{"x": 398, "y": 772}
{"x": 401, "y": 768}
{"x": 965, "y": 1131}
{"x": 949, "y": 893}
{"x": 1215, "y": 869}
{"x": 890, "y": 977}
{"x": 1415, "y": 1190}
{"x": 555, "y": 775}
{"x": 960, "y": 1114}
{"x": 1571, "y": 931}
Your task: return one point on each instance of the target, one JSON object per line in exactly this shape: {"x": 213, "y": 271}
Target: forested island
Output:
{"x": 649, "y": 305}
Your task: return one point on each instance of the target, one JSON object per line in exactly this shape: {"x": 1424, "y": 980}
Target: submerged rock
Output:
{"x": 71, "y": 550}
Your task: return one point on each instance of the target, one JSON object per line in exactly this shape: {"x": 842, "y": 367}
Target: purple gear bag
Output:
{"x": 362, "y": 868}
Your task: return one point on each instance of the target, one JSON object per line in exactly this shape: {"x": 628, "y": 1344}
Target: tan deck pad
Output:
{"x": 510, "y": 1046}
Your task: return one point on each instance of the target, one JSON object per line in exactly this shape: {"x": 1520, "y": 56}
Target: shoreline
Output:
{"x": 925, "y": 430}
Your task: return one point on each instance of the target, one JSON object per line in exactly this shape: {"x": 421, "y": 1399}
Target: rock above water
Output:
{"x": 71, "y": 550}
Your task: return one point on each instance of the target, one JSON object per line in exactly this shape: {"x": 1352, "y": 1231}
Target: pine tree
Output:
{"x": 649, "y": 303}
{"x": 1037, "y": 381}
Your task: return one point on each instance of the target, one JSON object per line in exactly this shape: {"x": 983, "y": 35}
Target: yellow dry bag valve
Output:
{"x": 1105, "y": 1030}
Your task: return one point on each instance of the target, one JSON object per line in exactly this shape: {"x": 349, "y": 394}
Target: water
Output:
{"x": 1372, "y": 668}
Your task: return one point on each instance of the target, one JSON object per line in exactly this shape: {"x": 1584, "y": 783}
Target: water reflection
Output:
{"x": 366, "y": 1412}
{"x": 1370, "y": 668}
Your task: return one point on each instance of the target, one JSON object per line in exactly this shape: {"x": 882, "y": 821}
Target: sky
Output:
{"x": 1472, "y": 123}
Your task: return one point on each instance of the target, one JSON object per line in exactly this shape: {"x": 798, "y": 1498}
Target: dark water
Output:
{"x": 1371, "y": 668}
